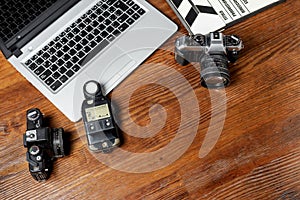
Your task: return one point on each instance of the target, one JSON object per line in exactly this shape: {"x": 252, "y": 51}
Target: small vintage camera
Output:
{"x": 214, "y": 51}
{"x": 101, "y": 130}
{"x": 44, "y": 144}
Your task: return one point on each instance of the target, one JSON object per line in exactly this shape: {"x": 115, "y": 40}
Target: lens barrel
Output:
{"x": 57, "y": 142}
{"x": 214, "y": 71}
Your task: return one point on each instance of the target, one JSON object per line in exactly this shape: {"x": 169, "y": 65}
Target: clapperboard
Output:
{"x": 204, "y": 16}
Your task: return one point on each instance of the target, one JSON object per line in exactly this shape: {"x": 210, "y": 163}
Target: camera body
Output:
{"x": 101, "y": 130}
{"x": 44, "y": 144}
{"x": 214, "y": 52}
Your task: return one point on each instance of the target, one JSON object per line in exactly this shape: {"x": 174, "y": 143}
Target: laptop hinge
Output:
{"x": 6, "y": 52}
{"x": 17, "y": 52}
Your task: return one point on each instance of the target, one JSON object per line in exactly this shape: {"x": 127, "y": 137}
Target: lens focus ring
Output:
{"x": 214, "y": 72}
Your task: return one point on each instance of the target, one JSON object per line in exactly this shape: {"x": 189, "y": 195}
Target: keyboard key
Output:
{"x": 71, "y": 43}
{"x": 33, "y": 66}
{"x": 63, "y": 79}
{"x": 113, "y": 17}
{"x": 46, "y": 64}
{"x": 56, "y": 75}
{"x": 141, "y": 11}
{"x": 101, "y": 27}
{"x": 52, "y": 51}
{"x": 107, "y": 22}
{"x": 66, "y": 57}
{"x": 39, "y": 71}
{"x": 100, "y": 19}
{"x": 130, "y": 11}
{"x": 111, "y": 38}
{"x": 121, "y": 5}
{"x": 65, "y": 49}
{"x": 70, "y": 36}
{"x": 104, "y": 7}
{"x": 93, "y": 16}
{"x": 104, "y": 34}
{"x": 49, "y": 81}
{"x": 62, "y": 70}
{"x": 87, "y": 49}
{"x": 135, "y": 7}
{"x": 83, "y": 33}
{"x": 123, "y": 27}
{"x": 123, "y": 18}
{"x": 87, "y": 21}
{"x": 106, "y": 14}
{"x": 70, "y": 73}
{"x": 81, "y": 26}
{"x": 119, "y": 12}
{"x": 112, "y": 9}
{"x": 110, "y": 2}
{"x": 78, "y": 47}
{"x": 130, "y": 21}
{"x": 45, "y": 56}
{"x": 110, "y": 29}
{"x": 68, "y": 65}
{"x": 46, "y": 74}
{"x": 76, "y": 68}
{"x": 56, "y": 85}
{"x": 99, "y": 11}
{"x": 64, "y": 40}
{"x": 92, "y": 44}
{"x": 74, "y": 59}
{"x": 136, "y": 16}
{"x": 116, "y": 33}
{"x": 53, "y": 67}
{"x": 53, "y": 59}
{"x": 99, "y": 39}
{"x": 80, "y": 54}
{"x": 60, "y": 62}
{"x": 75, "y": 31}
{"x": 39, "y": 61}
{"x": 58, "y": 45}
{"x": 95, "y": 32}
{"x": 84, "y": 42}
{"x": 90, "y": 37}
{"x": 116, "y": 24}
{"x": 130, "y": 2}
{"x": 59, "y": 53}
{"x": 95, "y": 24}
{"x": 72, "y": 52}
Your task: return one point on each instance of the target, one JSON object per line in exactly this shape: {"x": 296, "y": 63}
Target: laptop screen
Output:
{"x": 22, "y": 20}
{"x": 16, "y": 15}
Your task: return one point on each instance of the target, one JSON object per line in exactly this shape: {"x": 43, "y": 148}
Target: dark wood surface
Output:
{"x": 257, "y": 155}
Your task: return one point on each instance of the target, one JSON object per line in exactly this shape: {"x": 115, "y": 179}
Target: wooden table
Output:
{"x": 256, "y": 156}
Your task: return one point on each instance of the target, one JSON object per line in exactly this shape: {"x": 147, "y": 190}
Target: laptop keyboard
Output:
{"x": 15, "y": 15}
{"x": 62, "y": 59}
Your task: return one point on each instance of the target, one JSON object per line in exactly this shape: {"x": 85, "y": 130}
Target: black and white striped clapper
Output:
{"x": 197, "y": 15}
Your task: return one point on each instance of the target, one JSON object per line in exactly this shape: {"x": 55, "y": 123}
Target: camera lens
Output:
{"x": 58, "y": 144}
{"x": 214, "y": 72}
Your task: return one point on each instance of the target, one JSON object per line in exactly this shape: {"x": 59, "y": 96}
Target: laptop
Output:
{"x": 58, "y": 45}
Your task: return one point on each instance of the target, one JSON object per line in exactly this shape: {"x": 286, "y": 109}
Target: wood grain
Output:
{"x": 256, "y": 157}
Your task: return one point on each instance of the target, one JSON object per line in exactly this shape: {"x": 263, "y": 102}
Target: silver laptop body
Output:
{"x": 110, "y": 66}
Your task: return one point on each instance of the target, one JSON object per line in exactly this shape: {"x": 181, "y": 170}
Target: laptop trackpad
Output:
{"x": 108, "y": 66}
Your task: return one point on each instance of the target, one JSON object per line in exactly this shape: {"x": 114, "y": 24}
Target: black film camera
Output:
{"x": 44, "y": 144}
{"x": 101, "y": 130}
{"x": 214, "y": 51}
